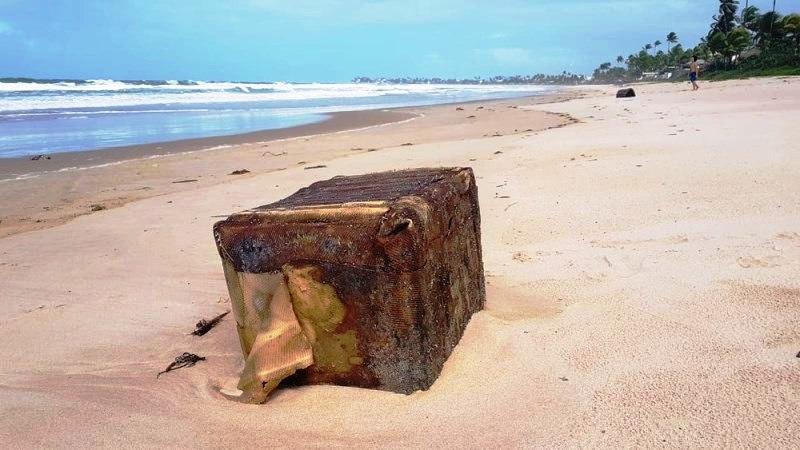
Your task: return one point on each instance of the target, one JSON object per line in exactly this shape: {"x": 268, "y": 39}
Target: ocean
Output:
{"x": 52, "y": 116}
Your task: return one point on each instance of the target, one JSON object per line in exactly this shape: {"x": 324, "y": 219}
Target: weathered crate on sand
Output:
{"x": 362, "y": 281}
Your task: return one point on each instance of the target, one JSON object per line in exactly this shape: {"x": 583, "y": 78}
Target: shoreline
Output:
{"x": 23, "y": 167}
{"x": 13, "y": 168}
{"x": 44, "y": 193}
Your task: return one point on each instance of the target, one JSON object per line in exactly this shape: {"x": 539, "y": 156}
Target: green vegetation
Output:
{"x": 737, "y": 46}
{"x": 750, "y": 73}
{"x": 540, "y": 78}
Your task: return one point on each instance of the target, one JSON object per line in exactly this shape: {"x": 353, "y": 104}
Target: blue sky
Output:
{"x": 334, "y": 40}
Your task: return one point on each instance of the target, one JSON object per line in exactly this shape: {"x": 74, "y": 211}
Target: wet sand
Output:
{"x": 71, "y": 184}
{"x": 347, "y": 120}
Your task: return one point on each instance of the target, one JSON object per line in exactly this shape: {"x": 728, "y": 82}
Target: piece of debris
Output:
{"x": 304, "y": 274}
{"x": 185, "y": 360}
{"x": 521, "y": 257}
{"x": 459, "y": 109}
{"x": 498, "y": 152}
{"x": 315, "y": 167}
{"x": 625, "y": 93}
{"x": 38, "y": 157}
{"x": 406, "y": 144}
{"x": 273, "y": 153}
{"x": 239, "y": 172}
{"x": 479, "y": 107}
{"x": 184, "y": 181}
{"x": 97, "y": 207}
{"x": 563, "y": 378}
{"x": 204, "y": 326}
{"x": 798, "y": 354}
{"x": 470, "y": 117}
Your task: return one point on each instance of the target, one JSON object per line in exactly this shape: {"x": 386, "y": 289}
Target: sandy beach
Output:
{"x": 43, "y": 193}
{"x": 643, "y": 282}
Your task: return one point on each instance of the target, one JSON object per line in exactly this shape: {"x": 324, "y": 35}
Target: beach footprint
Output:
{"x": 751, "y": 262}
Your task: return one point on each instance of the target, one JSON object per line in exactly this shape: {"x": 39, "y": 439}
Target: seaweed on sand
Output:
{"x": 204, "y": 326}
{"x": 185, "y": 360}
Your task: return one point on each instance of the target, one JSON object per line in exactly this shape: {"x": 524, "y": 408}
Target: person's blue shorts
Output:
{"x": 693, "y": 76}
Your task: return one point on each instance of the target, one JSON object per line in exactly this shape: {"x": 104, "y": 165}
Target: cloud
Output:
{"x": 355, "y": 11}
{"x": 498, "y": 35}
{"x": 507, "y": 56}
{"x": 503, "y": 60}
{"x": 5, "y": 28}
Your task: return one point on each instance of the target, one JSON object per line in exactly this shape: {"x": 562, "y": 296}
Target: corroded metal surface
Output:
{"x": 362, "y": 281}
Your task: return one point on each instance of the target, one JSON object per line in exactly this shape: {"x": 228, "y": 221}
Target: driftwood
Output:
{"x": 204, "y": 326}
{"x": 185, "y": 360}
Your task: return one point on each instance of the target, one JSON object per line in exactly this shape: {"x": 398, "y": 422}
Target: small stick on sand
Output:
{"x": 204, "y": 326}
{"x": 185, "y": 360}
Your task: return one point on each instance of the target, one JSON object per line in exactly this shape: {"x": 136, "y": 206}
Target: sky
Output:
{"x": 334, "y": 40}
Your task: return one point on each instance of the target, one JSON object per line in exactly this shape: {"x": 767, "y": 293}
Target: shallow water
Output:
{"x": 58, "y": 116}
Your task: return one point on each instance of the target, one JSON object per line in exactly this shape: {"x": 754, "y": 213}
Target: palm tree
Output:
{"x": 725, "y": 21}
{"x": 773, "y": 17}
{"x": 677, "y": 55}
{"x": 768, "y": 28}
{"x": 672, "y": 38}
{"x": 648, "y": 47}
{"x": 620, "y": 59}
{"x": 791, "y": 27}
{"x": 750, "y": 18}
{"x": 656, "y": 44}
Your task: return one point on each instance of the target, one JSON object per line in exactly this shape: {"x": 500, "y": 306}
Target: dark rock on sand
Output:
{"x": 625, "y": 93}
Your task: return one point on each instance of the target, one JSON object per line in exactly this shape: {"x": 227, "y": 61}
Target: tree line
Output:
{"x": 736, "y": 40}
{"x": 539, "y": 78}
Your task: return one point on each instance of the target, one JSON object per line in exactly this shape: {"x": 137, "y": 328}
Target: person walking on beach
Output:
{"x": 694, "y": 70}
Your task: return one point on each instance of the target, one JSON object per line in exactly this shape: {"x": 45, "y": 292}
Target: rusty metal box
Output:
{"x": 362, "y": 281}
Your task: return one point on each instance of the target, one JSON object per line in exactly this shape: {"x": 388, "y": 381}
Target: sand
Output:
{"x": 643, "y": 287}
{"x": 67, "y": 185}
